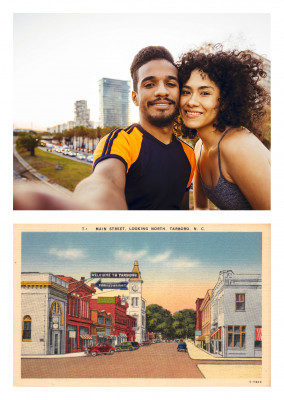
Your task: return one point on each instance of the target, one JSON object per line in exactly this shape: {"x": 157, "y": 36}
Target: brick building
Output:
{"x": 118, "y": 311}
{"x": 78, "y": 325}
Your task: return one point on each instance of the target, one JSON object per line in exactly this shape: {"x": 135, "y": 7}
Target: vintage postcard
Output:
{"x": 127, "y": 305}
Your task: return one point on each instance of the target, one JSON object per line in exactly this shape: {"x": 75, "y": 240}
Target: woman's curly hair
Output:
{"x": 237, "y": 74}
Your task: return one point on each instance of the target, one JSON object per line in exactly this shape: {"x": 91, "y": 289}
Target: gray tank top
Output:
{"x": 225, "y": 195}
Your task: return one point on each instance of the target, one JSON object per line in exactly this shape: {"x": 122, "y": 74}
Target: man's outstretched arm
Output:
{"x": 105, "y": 188}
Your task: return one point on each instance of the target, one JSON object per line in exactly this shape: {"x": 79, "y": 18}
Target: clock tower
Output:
{"x": 137, "y": 305}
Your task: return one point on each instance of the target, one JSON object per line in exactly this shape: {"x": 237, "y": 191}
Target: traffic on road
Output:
{"x": 65, "y": 151}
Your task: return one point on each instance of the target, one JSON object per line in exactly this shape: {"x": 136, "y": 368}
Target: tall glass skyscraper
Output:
{"x": 114, "y": 102}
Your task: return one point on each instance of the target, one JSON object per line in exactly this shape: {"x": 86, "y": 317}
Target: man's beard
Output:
{"x": 162, "y": 121}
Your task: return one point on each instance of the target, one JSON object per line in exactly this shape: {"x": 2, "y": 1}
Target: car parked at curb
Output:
{"x": 80, "y": 156}
{"x": 145, "y": 343}
{"x": 126, "y": 346}
{"x": 182, "y": 347}
{"x": 90, "y": 158}
{"x": 101, "y": 348}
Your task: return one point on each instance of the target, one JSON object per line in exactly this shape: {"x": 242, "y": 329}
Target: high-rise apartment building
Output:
{"x": 82, "y": 114}
{"x": 114, "y": 102}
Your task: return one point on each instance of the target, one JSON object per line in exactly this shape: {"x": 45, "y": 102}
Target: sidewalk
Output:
{"x": 223, "y": 370}
{"x": 196, "y": 353}
{"x": 79, "y": 354}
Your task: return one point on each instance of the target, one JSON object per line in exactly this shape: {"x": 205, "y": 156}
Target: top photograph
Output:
{"x": 142, "y": 112}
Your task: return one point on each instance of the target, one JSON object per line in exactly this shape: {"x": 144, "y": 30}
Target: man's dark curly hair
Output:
{"x": 237, "y": 74}
{"x": 145, "y": 55}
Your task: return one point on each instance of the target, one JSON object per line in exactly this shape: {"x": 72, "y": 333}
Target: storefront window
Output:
{"x": 83, "y": 330}
{"x": 236, "y": 336}
{"x": 258, "y": 337}
{"x": 72, "y": 337}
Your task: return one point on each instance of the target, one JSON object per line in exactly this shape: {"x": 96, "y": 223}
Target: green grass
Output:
{"x": 45, "y": 163}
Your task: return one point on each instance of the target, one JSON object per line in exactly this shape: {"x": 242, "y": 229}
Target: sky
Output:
{"x": 58, "y": 58}
{"x": 176, "y": 267}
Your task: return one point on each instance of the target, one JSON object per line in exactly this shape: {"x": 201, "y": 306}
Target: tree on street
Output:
{"x": 28, "y": 141}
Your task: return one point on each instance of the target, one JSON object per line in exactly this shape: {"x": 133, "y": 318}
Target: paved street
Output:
{"x": 156, "y": 361}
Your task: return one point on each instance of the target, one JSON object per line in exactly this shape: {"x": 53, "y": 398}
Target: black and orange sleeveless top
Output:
{"x": 157, "y": 174}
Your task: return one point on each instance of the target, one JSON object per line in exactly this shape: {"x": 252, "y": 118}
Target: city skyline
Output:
{"x": 50, "y": 72}
{"x": 176, "y": 267}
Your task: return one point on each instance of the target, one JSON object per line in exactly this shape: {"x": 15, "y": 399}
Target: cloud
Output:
{"x": 67, "y": 254}
{"x": 160, "y": 257}
{"x": 184, "y": 264}
{"x": 130, "y": 255}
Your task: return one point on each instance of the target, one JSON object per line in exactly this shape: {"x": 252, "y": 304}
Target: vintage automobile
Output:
{"x": 182, "y": 346}
{"x": 126, "y": 346}
{"x": 101, "y": 348}
{"x": 145, "y": 343}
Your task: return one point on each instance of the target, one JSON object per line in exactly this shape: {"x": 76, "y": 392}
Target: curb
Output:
{"x": 68, "y": 355}
{"x": 218, "y": 357}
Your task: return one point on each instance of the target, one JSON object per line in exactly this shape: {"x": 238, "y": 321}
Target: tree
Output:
{"x": 159, "y": 320}
{"x": 28, "y": 142}
{"x": 184, "y": 323}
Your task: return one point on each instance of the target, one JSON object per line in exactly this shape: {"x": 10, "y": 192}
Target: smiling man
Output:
{"x": 144, "y": 166}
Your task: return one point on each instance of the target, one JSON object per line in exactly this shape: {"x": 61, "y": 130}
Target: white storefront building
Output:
{"x": 43, "y": 313}
{"x": 236, "y": 315}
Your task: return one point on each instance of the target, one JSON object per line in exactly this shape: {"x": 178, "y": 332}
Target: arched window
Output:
{"x": 27, "y": 329}
{"x": 56, "y": 309}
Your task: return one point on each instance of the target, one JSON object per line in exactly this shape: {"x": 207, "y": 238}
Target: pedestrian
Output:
{"x": 144, "y": 166}
{"x": 223, "y": 103}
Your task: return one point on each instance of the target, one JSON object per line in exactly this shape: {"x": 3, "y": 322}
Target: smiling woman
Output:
{"x": 224, "y": 103}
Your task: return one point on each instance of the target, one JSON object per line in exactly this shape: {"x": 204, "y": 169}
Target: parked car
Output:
{"x": 182, "y": 347}
{"x": 71, "y": 153}
{"x": 90, "y": 158}
{"x": 126, "y": 346}
{"x": 145, "y": 343}
{"x": 80, "y": 156}
{"x": 65, "y": 151}
{"x": 101, "y": 348}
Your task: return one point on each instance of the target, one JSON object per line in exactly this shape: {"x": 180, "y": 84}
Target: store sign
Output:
{"x": 100, "y": 329}
{"x": 106, "y": 300}
{"x": 126, "y": 275}
{"x": 111, "y": 285}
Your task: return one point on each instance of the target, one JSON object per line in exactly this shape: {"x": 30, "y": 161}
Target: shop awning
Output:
{"x": 201, "y": 338}
{"x": 216, "y": 334}
{"x": 86, "y": 337}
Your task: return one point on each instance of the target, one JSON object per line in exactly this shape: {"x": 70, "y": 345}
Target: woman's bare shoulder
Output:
{"x": 241, "y": 141}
